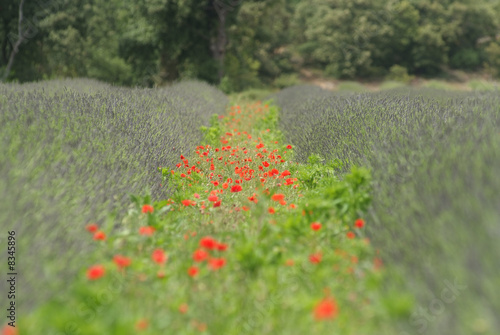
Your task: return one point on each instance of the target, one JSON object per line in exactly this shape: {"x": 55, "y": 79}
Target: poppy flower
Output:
{"x": 212, "y": 198}
{"x": 122, "y": 261}
{"x": 377, "y": 263}
{"x": 159, "y": 256}
{"x": 236, "y": 188}
{"x": 289, "y": 146}
{"x": 316, "y": 226}
{"x": 147, "y": 209}
{"x": 208, "y": 243}
{"x": 8, "y": 330}
{"x": 142, "y": 324}
{"x": 217, "y": 204}
{"x": 359, "y": 223}
{"x": 217, "y": 263}
{"x": 95, "y": 272}
{"x": 193, "y": 271}
{"x": 99, "y": 236}
{"x": 278, "y": 197}
{"x": 196, "y": 195}
{"x": 183, "y": 308}
{"x": 315, "y": 258}
{"x": 225, "y": 185}
{"x": 285, "y": 173}
{"x": 326, "y": 309}
{"x": 186, "y": 202}
{"x": 271, "y": 210}
{"x": 221, "y": 246}
{"x": 200, "y": 255}
{"x": 350, "y": 235}
{"x": 146, "y": 231}
{"x": 92, "y": 227}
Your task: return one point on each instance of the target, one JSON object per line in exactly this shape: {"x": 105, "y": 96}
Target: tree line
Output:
{"x": 244, "y": 43}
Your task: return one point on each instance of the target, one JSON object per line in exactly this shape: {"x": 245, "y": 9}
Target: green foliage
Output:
{"x": 400, "y": 74}
{"x": 351, "y": 86}
{"x": 390, "y": 85}
{"x": 286, "y": 80}
{"x": 493, "y": 58}
{"x": 212, "y": 134}
{"x": 260, "y": 43}
{"x": 482, "y": 85}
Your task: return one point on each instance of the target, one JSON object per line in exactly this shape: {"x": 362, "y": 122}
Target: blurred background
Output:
{"x": 238, "y": 44}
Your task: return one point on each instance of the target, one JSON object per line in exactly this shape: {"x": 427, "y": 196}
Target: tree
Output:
{"x": 22, "y": 34}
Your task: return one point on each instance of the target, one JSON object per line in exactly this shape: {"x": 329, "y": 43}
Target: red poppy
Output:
{"x": 142, "y": 324}
{"x": 196, "y": 195}
{"x": 315, "y": 258}
{"x": 95, "y": 272}
{"x": 92, "y": 227}
{"x": 217, "y": 204}
{"x": 316, "y": 226}
{"x": 122, "y": 261}
{"x": 146, "y": 231}
{"x": 289, "y": 146}
{"x": 285, "y": 173}
{"x": 159, "y": 256}
{"x": 200, "y": 255}
{"x": 221, "y": 246}
{"x": 350, "y": 235}
{"x": 212, "y": 198}
{"x": 193, "y": 271}
{"x": 183, "y": 308}
{"x": 8, "y": 330}
{"x": 359, "y": 223}
{"x": 186, "y": 202}
{"x": 147, "y": 209}
{"x": 326, "y": 309}
{"x": 217, "y": 263}
{"x": 278, "y": 197}
{"x": 208, "y": 243}
{"x": 271, "y": 210}
{"x": 236, "y": 188}
{"x": 99, "y": 236}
